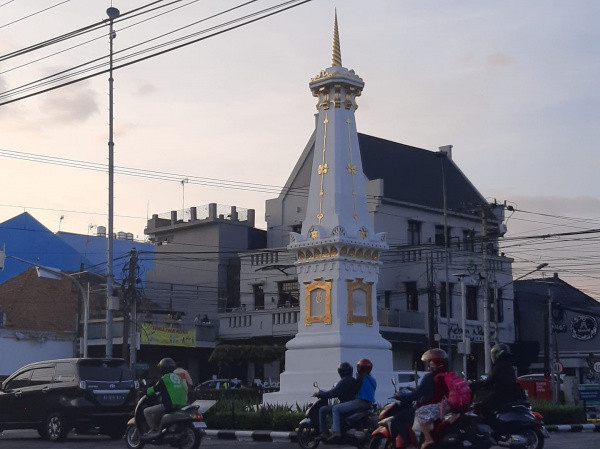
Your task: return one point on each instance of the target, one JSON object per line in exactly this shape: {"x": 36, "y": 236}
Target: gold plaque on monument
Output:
{"x": 359, "y": 302}
{"x": 318, "y": 301}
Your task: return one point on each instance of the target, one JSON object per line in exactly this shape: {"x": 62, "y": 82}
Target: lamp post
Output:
{"x": 463, "y": 307}
{"x": 112, "y": 13}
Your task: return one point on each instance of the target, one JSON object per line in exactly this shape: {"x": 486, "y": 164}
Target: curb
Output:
{"x": 251, "y": 435}
{"x": 573, "y": 428}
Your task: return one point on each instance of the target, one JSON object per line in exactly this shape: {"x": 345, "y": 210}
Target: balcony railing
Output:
{"x": 259, "y": 323}
{"x": 407, "y": 319}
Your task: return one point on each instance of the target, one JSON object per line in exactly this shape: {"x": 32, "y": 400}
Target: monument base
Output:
{"x": 314, "y": 358}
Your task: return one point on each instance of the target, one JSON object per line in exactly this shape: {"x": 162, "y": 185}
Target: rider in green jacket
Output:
{"x": 172, "y": 392}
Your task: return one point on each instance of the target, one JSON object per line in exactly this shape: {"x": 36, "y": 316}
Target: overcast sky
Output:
{"x": 512, "y": 85}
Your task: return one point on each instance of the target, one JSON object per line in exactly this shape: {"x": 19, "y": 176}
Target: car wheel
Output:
{"x": 55, "y": 427}
{"x": 133, "y": 438}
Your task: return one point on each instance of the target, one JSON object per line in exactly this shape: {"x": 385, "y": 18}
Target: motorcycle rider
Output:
{"x": 430, "y": 395}
{"x": 344, "y": 390}
{"x": 364, "y": 398}
{"x": 502, "y": 382}
{"x": 172, "y": 393}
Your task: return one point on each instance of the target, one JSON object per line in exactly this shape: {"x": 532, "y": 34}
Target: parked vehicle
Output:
{"x": 517, "y": 420}
{"x": 409, "y": 379}
{"x": 219, "y": 384}
{"x": 182, "y": 428}
{"x": 356, "y": 428}
{"x": 55, "y": 396}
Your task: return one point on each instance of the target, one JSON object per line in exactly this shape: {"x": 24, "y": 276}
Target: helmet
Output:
{"x": 364, "y": 366}
{"x": 438, "y": 357}
{"x": 498, "y": 351}
{"x": 166, "y": 365}
{"x": 345, "y": 369}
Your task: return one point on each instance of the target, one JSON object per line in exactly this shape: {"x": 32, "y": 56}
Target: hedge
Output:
{"x": 559, "y": 414}
{"x": 236, "y": 414}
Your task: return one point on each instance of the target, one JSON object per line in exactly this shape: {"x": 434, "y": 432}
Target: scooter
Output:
{"x": 517, "y": 420}
{"x": 356, "y": 427}
{"x": 182, "y": 428}
{"x": 395, "y": 425}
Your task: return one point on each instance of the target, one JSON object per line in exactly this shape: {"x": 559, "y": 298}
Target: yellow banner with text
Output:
{"x": 167, "y": 336}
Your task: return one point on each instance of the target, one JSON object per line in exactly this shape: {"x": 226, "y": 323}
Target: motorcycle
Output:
{"x": 182, "y": 428}
{"x": 395, "y": 423}
{"x": 356, "y": 427}
{"x": 517, "y": 420}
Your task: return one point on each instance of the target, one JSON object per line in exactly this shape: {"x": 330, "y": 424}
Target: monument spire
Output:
{"x": 336, "y": 56}
{"x": 337, "y": 252}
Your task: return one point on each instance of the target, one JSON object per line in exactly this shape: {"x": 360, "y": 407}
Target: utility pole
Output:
{"x": 129, "y": 302}
{"x": 430, "y": 304}
{"x": 486, "y": 294}
{"x": 442, "y": 156}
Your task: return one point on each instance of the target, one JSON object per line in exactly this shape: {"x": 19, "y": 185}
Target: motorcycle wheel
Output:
{"x": 190, "y": 438}
{"x": 307, "y": 437}
{"x": 366, "y": 443}
{"x": 133, "y": 438}
{"x": 380, "y": 442}
{"x": 534, "y": 437}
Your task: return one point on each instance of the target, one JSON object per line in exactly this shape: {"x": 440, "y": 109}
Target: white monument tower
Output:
{"x": 337, "y": 253}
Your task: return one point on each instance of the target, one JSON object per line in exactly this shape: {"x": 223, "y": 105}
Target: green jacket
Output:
{"x": 172, "y": 391}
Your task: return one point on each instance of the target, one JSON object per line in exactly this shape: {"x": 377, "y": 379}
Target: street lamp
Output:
{"x": 463, "y": 307}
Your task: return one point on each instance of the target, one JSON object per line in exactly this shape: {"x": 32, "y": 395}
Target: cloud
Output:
{"x": 73, "y": 104}
{"x": 497, "y": 60}
{"x": 145, "y": 89}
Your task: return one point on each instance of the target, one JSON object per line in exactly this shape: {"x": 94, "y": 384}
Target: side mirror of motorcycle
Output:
{"x": 393, "y": 381}
{"x": 315, "y": 384}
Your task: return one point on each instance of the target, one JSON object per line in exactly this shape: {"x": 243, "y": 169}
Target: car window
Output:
{"x": 64, "y": 372}
{"x": 42, "y": 376}
{"x": 102, "y": 370}
{"x": 19, "y": 381}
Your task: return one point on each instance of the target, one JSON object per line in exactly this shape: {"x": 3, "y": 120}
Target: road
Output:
{"x": 26, "y": 439}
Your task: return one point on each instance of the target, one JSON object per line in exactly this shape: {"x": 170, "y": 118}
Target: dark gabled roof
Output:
{"x": 563, "y": 293}
{"x": 414, "y": 175}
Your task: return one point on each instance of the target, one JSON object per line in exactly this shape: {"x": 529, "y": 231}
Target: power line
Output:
{"x": 267, "y": 12}
{"x": 33, "y": 14}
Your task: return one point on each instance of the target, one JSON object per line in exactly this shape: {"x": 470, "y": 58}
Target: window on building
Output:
{"x": 259, "y": 297}
{"x": 297, "y": 228}
{"x": 412, "y": 296}
{"x": 471, "y": 297}
{"x": 469, "y": 240}
{"x": 289, "y": 293}
{"x": 439, "y": 235}
{"x": 387, "y": 298}
{"x": 493, "y": 302}
{"x": 414, "y": 232}
{"x": 443, "y": 299}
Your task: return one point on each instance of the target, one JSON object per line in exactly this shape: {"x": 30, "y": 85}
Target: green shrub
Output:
{"x": 236, "y": 414}
{"x": 559, "y": 414}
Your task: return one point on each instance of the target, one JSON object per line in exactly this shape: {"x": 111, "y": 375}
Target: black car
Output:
{"x": 55, "y": 396}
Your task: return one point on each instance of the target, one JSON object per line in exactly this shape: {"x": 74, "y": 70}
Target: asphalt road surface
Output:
{"x": 27, "y": 439}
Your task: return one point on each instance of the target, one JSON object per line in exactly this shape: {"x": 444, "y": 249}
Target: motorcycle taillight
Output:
{"x": 538, "y": 416}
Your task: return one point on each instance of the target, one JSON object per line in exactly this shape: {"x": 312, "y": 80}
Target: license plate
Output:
{"x": 113, "y": 397}
{"x": 199, "y": 424}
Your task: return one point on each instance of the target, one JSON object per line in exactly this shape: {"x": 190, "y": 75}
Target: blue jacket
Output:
{"x": 367, "y": 389}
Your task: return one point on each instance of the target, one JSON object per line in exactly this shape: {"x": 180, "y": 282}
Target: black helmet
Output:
{"x": 345, "y": 369}
{"x": 364, "y": 366}
{"x": 166, "y": 365}
{"x": 499, "y": 350}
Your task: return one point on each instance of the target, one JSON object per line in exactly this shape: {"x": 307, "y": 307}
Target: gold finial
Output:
{"x": 336, "y": 57}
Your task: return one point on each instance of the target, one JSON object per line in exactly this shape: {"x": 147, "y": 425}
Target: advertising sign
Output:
{"x": 167, "y": 336}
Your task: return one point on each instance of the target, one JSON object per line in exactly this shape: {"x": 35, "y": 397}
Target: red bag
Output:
{"x": 459, "y": 392}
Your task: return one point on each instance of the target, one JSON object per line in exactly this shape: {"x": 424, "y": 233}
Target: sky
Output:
{"x": 511, "y": 85}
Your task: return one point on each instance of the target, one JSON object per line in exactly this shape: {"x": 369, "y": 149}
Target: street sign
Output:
{"x": 557, "y": 367}
{"x": 589, "y": 393}
{"x": 597, "y": 367}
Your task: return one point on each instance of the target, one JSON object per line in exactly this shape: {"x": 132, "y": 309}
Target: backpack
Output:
{"x": 459, "y": 392}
